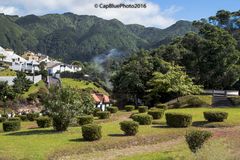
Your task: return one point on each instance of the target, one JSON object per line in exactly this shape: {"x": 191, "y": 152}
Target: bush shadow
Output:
{"x": 199, "y": 123}
{"x": 77, "y": 140}
{"x": 32, "y": 132}
{"x": 117, "y": 135}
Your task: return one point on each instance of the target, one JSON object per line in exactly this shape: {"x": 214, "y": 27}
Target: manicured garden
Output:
{"x": 35, "y": 143}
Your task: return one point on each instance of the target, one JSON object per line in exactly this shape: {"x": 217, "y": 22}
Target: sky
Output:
{"x": 158, "y": 13}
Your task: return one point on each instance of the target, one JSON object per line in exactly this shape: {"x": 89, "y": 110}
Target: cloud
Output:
{"x": 8, "y": 10}
{"x": 152, "y": 15}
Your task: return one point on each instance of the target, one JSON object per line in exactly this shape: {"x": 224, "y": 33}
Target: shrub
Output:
{"x": 103, "y": 114}
{"x": 162, "y": 106}
{"x": 60, "y": 123}
{"x": 142, "y": 109}
{"x": 23, "y": 117}
{"x": 215, "y": 116}
{"x": 11, "y": 126}
{"x": 195, "y": 139}
{"x": 82, "y": 120}
{"x": 129, "y": 108}
{"x": 2, "y": 119}
{"x": 156, "y": 113}
{"x": 112, "y": 109}
{"x": 32, "y": 116}
{"x": 142, "y": 119}
{"x": 43, "y": 122}
{"x": 91, "y": 132}
{"x": 14, "y": 119}
{"x": 130, "y": 128}
{"x": 95, "y": 111}
{"x": 178, "y": 119}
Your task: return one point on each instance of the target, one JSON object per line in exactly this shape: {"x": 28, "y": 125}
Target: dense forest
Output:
{"x": 207, "y": 59}
{"x": 79, "y": 37}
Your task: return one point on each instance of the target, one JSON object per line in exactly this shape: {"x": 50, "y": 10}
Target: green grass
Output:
{"x": 7, "y": 72}
{"x": 38, "y": 144}
{"x": 81, "y": 84}
{"x": 34, "y": 89}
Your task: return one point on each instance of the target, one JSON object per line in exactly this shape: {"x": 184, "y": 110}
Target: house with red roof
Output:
{"x": 101, "y": 100}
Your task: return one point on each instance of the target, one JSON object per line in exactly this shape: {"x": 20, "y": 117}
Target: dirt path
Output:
{"x": 113, "y": 154}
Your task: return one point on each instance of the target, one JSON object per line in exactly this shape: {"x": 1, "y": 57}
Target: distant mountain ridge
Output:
{"x": 80, "y": 37}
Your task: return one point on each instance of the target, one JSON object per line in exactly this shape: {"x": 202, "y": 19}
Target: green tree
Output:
{"x": 64, "y": 104}
{"x": 21, "y": 83}
{"x": 174, "y": 81}
{"x": 6, "y": 93}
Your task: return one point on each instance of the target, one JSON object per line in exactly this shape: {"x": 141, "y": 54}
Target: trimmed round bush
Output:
{"x": 3, "y": 119}
{"x": 161, "y": 106}
{"x": 129, "y": 108}
{"x": 91, "y": 132}
{"x": 142, "y": 119}
{"x": 82, "y": 120}
{"x": 196, "y": 138}
{"x": 23, "y": 117}
{"x": 112, "y": 109}
{"x": 11, "y": 126}
{"x": 43, "y": 122}
{"x": 14, "y": 119}
{"x": 156, "y": 113}
{"x": 59, "y": 123}
{"x": 32, "y": 116}
{"x": 178, "y": 119}
{"x": 142, "y": 109}
{"x": 95, "y": 111}
{"x": 103, "y": 114}
{"x": 130, "y": 128}
{"x": 215, "y": 116}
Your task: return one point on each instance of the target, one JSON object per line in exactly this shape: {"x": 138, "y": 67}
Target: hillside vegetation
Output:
{"x": 81, "y": 84}
{"x": 73, "y": 37}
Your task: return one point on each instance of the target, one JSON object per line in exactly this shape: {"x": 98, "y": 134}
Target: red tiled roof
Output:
{"x": 98, "y": 97}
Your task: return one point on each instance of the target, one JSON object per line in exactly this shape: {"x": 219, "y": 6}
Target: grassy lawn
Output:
{"x": 82, "y": 85}
{"x": 34, "y": 89}
{"x": 7, "y": 72}
{"x": 38, "y": 144}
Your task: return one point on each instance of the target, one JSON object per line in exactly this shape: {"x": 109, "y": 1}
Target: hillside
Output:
{"x": 79, "y": 37}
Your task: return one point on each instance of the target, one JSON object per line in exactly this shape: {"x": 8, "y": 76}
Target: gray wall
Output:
{"x": 10, "y": 79}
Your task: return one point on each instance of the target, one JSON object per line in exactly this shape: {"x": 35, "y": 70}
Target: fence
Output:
{"x": 10, "y": 79}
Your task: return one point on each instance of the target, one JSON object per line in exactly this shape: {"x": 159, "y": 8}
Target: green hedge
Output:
{"x": 142, "y": 119}
{"x": 112, "y": 109}
{"x": 91, "y": 132}
{"x": 103, "y": 114}
{"x": 129, "y": 108}
{"x": 23, "y": 117}
{"x": 195, "y": 139}
{"x": 3, "y": 119}
{"x": 82, "y": 120}
{"x": 32, "y": 116}
{"x": 95, "y": 111}
{"x": 156, "y": 113}
{"x": 11, "y": 126}
{"x": 162, "y": 106}
{"x": 130, "y": 128}
{"x": 178, "y": 119}
{"x": 14, "y": 119}
{"x": 43, "y": 122}
{"x": 215, "y": 116}
{"x": 142, "y": 109}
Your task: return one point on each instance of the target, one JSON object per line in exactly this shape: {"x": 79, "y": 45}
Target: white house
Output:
{"x": 54, "y": 67}
{"x": 10, "y": 56}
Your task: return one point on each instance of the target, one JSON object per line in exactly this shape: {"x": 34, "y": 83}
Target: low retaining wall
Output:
{"x": 223, "y": 92}
{"x": 10, "y": 79}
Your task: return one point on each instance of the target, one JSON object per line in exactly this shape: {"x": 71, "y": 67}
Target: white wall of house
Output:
{"x": 10, "y": 79}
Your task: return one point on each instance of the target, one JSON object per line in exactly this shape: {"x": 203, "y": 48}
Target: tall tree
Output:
{"x": 6, "y": 93}
{"x": 174, "y": 81}
{"x": 21, "y": 83}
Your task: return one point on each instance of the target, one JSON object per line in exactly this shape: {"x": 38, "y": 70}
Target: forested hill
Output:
{"x": 79, "y": 37}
